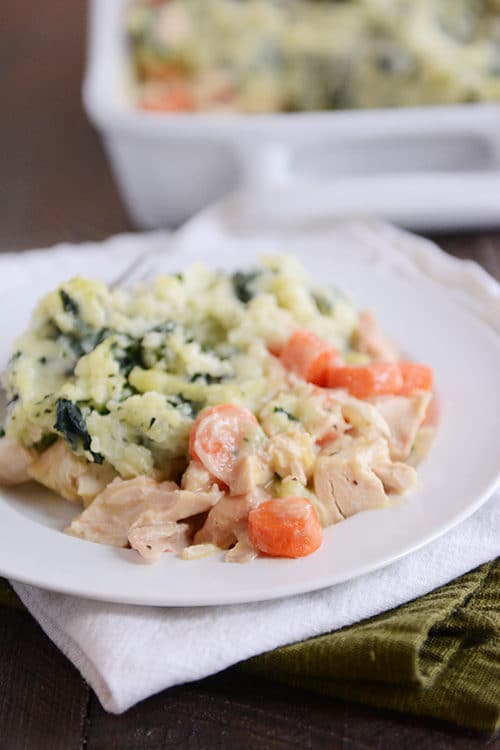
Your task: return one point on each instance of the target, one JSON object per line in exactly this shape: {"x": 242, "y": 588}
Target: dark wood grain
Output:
{"x": 55, "y": 182}
{"x": 43, "y": 700}
{"x": 231, "y": 711}
{"x": 55, "y": 185}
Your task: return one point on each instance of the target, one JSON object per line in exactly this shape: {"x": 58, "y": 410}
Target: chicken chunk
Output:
{"x": 396, "y": 477}
{"x": 369, "y": 339}
{"x": 324, "y": 489}
{"x": 196, "y": 478}
{"x": 360, "y": 414}
{"x": 15, "y": 460}
{"x": 152, "y": 534}
{"x": 108, "y": 519}
{"x": 404, "y": 415}
{"x": 347, "y": 485}
{"x": 225, "y": 522}
{"x": 355, "y": 474}
{"x": 242, "y": 552}
{"x": 250, "y": 472}
{"x": 70, "y": 476}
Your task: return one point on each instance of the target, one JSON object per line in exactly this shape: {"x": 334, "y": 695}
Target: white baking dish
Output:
{"x": 430, "y": 167}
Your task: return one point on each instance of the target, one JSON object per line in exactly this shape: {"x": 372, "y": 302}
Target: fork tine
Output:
{"x": 139, "y": 269}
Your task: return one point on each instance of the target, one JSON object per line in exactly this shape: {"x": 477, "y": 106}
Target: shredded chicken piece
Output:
{"x": 70, "y": 476}
{"x": 355, "y": 474}
{"x": 196, "y": 478}
{"x": 153, "y": 534}
{"x": 109, "y": 518}
{"x": 348, "y": 486}
{"x": 369, "y": 339}
{"x": 15, "y": 461}
{"x": 250, "y": 472}
{"x": 242, "y": 552}
{"x": 421, "y": 445}
{"x": 328, "y": 420}
{"x": 404, "y": 415}
{"x": 396, "y": 477}
{"x": 292, "y": 454}
{"x": 361, "y": 414}
{"x": 324, "y": 489}
{"x": 224, "y": 522}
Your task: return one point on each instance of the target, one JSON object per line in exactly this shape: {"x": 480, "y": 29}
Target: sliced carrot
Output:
{"x": 217, "y": 436}
{"x": 173, "y": 99}
{"x": 275, "y": 349}
{"x": 415, "y": 377}
{"x": 375, "y": 379}
{"x": 285, "y": 527}
{"x": 309, "y": 356}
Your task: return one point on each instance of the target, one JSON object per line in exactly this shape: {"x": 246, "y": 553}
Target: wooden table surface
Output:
{"x": 56, "y": 185}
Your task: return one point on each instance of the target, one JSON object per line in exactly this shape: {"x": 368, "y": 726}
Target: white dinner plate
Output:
{"x": 432, "y": 305}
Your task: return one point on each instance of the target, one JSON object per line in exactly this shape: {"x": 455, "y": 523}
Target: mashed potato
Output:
{"x": 121, "y": 375}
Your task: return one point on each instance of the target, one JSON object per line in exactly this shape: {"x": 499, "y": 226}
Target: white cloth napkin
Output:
{"x": 128, "y": 653}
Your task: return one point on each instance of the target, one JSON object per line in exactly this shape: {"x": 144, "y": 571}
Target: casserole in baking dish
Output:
{"x": 431, "y": 167}
{"x": 303, "y": 55}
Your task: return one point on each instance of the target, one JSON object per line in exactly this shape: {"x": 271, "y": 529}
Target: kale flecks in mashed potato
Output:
{"x": 121, "y": 375}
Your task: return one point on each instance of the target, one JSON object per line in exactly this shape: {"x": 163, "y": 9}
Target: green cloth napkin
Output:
{"x": 438, "y": 655}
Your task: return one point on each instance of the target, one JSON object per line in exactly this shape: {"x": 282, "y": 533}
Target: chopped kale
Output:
{"x": 206, "y": 378}
{"x": 68, "y": 303}
{"x": 127, "y": 391}
{"x": 102, "y": 410}
{"x": 131, "y": 357}
{"x": 152, "y": 421}
{"x": 168, "y": 326}
{"x": 242, "y": 283}
{"x": 2, "y": 432}
{"x": 75, "y": 344}
{"x": 71, "y": 424}
{"x": 280, "y": 410}
{"x": 81, "y": 344}
{"x": 45, "y": 442}
{"x": 322, "y": 303}
{"x": 43, "y": 360}
{"x": 325, "y": 299}
{"x": 193, "y": 407}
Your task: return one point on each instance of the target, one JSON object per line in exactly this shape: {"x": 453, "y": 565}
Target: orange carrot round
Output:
{"x": 309, "y": 356}
{"x": 285, "y": 527}
{"x": 365, "y": 381}
{"x": 217, "y": 437}
{"x": 415, "y": 377}
{"x": 174, "y": 99}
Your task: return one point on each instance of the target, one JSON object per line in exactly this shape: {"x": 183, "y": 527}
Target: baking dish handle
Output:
{"x": 264, "y": 164}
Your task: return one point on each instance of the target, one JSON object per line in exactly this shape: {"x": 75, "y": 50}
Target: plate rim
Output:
{"x": 457, "y": 268}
